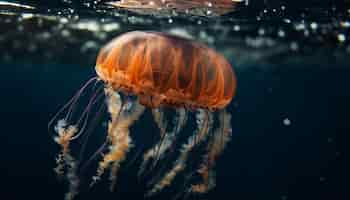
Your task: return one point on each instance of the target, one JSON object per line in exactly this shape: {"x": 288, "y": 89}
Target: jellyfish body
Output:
{"x": 160, "y": 71}
{"x": 167, "y": 70}
{"x": 194, "y": 7}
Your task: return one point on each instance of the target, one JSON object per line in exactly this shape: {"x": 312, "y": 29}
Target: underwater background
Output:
{"x": 290, "y": 117}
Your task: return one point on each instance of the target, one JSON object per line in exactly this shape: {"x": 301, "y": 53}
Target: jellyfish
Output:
{"x": 168, "y": 75}
{"x": 195, "y": 7}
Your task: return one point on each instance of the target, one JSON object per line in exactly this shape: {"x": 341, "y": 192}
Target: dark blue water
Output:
{"x": 290, "y": 117}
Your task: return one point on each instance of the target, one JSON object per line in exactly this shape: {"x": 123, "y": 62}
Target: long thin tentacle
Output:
{"x": 94, "y": 99}
{"x": 220, "y": 139}
{"x": 204, "y": 123}
{"x": 165, "y": 142}
{"x": 90, "y": 130}
{"x": 179, "y": 122}
{"x": 71, "y": 102}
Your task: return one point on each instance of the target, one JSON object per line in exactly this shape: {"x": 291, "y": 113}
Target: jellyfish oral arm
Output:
{"x": 65, "y": 160}
{"x": 122, "y": 118}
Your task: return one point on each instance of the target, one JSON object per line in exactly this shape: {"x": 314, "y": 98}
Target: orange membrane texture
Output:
{"x": 163, "y": 69}
{"x": 215, "y": 7}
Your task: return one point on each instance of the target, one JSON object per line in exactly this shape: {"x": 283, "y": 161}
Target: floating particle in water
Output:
{"x": 180, "y": 32}
{"x": 71, "y": 10}
{"x": 209, "y": 12}
{"x": 27, "y": 15}
{"x": 314, "y": 25}
{"x": 87, "y": 4}
{"x": 63, "y": 20}
{"x": 65, "y": 33}
{"x": 288, "y": 21}
{"x": 294, "y": 46}
{"x": 89, "y": 45}
{"x": 108, "y": 27}
{"x": 67, "y": 1}
{"x": 236, "y": 28}
{"x": 341, "y": 37}
{"x": 345, "y": 24}
{"x": 287, "y": 122}
{"x": 20, "y": 28}
{"x": 204, "y": 36}
{"x": 87, "y": 25}
{"x": 281, "y": 33}
{"x": 44, "y": 35}
{"x": 261, "y": 31}
{"x": 322, "y": 179}
{"x": 300, "y": 26}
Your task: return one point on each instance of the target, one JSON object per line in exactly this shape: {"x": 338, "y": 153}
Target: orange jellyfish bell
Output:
{"x": 195, "y": 7}
{"x": 164, "y": 73}
{"x": 164, "y": 69}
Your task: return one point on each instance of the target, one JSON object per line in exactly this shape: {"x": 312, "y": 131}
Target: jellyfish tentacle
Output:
{"x": 162, "y": 124}
{"x": 134, "y": 115}
{"x": 65, "y": 160}
{"x": 67, "y": 164}
{"x": 86, "y": 113}
{"x": 157, "y": 151}
{"x": 72, "y": 101}
{"x": 72, "y": 177}
{"x": 114, "y": 107}
{"x": 215, "y": 147}
{"x": 87, "y": 136}
{"x": 204, "y": 124}
{"x": 179, "y": 121}
{"x": 98, "y": 152}
{"x": 122, "y": 117}
{"x": 158, "y": 116}
{"x": 93, "y": 99}
{"x": 115, "y": 166}
{"x": 78, "y": 95}
{"x": 183, "y": 191}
